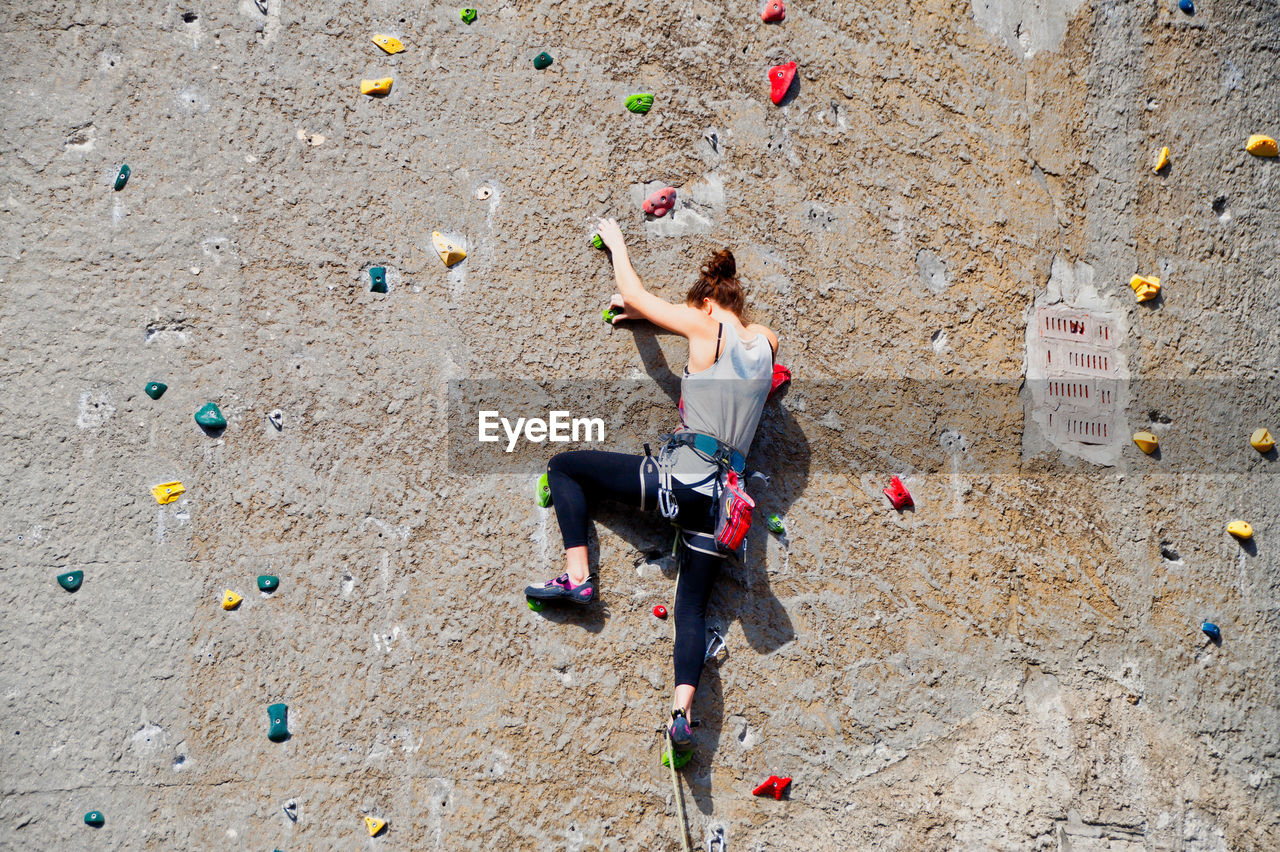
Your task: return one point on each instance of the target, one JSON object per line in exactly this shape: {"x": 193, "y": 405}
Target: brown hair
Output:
{"x": 719, "y": 283}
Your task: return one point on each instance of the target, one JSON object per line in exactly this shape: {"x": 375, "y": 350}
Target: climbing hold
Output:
{"x": 898, "y": 494}
{"x": 781, "y": 375}
{"x": 1241, "y": 530}
{"x": 660, "y": 203}
{"x": 276, "y": 418}
{"x": 375, "y": 87}
{"x": 390, "y": 44}
{"x": 780, "y": 79}
{"x": 542, "y": 60}
{"x": 659, "y": 611}
{"x": 278, "y": 714}
{"x": 774, "y": 12}
{"x": 374, "y": 825}
{"x": 773, "y": 786}
{"x": 775, "y": 524}
{"x": 122, "y": 177}
{"x": 610, "y": 314}
{"x": 1262, "y": 441}
{"x": 1211, "y": 630}
{"x": 1162, "y": 159}
{"x": 449, "y": 253}
{"x": 155, "y": 390}
{"x": 210, "y": 417}
{"x": 230, "y": 600}
{"x": 291, "y": 810}
{"x": 641, "y": 102}
{"x": 1187, "y": 6}
{"x": 1261, "y": 146}
{"x": 543, "y": 492}
{"x": 95, "y": 819}
{"x": 71, "y": 580}
{"x": 1145, "y": 288}
{"x": 268, "y": 583}
{"x": 378, "y": 279}
{"x": 682, "y": 757}
{"x": 1146, "y": 442}
{"x": 596, "y": 241}
{"x": 467, "y": 15}
{"x": 534, "y": 604}
{"x": 167, "y": 492}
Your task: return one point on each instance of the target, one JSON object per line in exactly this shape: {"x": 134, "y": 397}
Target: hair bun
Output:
{"x": 721, "y": 265}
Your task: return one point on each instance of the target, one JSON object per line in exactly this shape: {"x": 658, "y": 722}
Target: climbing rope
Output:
{"x": 675, "y": 789}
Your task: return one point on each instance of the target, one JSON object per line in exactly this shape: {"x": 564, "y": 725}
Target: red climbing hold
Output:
{"x": 781, "y": 375}
{"x": 780, "y": 79}
{"x": 898, "y": 494}
{"x": 774, "y": 12}
{"x": 660, "y": 203}
{"x": 774, "y": 786}
{"x": 660, "y": 611}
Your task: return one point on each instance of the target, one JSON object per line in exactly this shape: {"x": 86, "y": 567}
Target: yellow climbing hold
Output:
{"x": 167, "y": 492}
{"x": 1145, "y": 288}
{"x": 1241, "y": 530}
{"x": 375, "y": 87}
{"x": 1262, "y": 441}
{"x": 390, "y": 44}
{"x": 1261, "y": 146}
{"x": 1146, "y": 442}
{"x": 1162, "y": 159}
{"x": 374, "y": 825}
{"x": 230, "y": 600}
{"x": 449, "y": 253}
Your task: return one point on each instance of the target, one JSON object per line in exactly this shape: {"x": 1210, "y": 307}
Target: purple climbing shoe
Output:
{"x": 681, "y": 735}
{"x": 562, "y": 588}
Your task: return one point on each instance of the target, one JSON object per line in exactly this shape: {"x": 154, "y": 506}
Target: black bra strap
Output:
{"x": 719, "y": 334}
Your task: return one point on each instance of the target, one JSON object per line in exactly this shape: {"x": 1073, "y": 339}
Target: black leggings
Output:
{"x": 580, "y": 475}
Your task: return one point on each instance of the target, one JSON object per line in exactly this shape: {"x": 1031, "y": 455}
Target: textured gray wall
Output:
{"x": 1016, "y": 664}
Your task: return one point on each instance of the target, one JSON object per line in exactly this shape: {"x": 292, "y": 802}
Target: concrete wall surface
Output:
{"x": 1017, "y": 663}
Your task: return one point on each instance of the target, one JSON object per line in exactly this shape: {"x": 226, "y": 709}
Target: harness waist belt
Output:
{"x": 713, "y": 448}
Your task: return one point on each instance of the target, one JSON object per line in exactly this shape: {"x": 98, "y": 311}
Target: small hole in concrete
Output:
{"x": 190, "y": 17}
{"x": 1219, "y": 204}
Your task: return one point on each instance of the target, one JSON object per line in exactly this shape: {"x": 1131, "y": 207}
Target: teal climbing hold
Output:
{"x": 542, "y": 60}
{"x": 155, "y": 390}
{"x": 95, "y": 819}
{"x": 641, "y": 102}
{"x": 544, "y": 491}
{"x": 210, "y": 417}
{"x": 122, "y": 178}
{"x": 268, "y": 582}
{"x": 467, "y": 15}
{"x": 378, "y": 279}
{"x": 71, "y": 580}
{"x": 279, "y": 716}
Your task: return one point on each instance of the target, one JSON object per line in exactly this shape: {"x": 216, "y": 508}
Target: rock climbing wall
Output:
{"x": 1015, "y": 663}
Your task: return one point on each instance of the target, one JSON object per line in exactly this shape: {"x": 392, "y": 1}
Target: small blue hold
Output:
{"x": 1211, "y": 630}
{"x": 1187, "y": 6}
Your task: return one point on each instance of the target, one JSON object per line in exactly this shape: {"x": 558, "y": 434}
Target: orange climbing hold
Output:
{"x": 1145, "y": 288}
{"x": 1261, "y": 146}
{"x": 1162, "y": 159}
{"x": 660, "y": 203}
{"x": 774, "y": 12}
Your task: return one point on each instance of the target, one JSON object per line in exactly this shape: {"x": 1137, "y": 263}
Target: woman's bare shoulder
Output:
{"x": 766, "y": 331}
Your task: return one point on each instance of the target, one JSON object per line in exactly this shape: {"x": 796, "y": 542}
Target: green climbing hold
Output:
{"x": 544, "y": 491}
{"x": 378, "y": 279}
{"x": 122, "y": 178}
{"x": 609, "y": 314}
{"x": 210, "y": 417}
{"x": 155, "y": 390}
{"x": 268, "y": 582}
{"x": 534, "y": 604}
{"x": 467, "y": 15}
{"x": 775, "y": 525}
{"x": 682, "y": 757}
{"x": 71, "y": 580}
{"x": 542, "y": 60}
{"x": 279, "y": 716}
{"x": 95, "y": 819}
{"x": 641, "y": 102}
{"x": 596, "y": 241}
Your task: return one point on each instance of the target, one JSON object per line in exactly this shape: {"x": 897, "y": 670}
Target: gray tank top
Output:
{"x": 724, "y": 401}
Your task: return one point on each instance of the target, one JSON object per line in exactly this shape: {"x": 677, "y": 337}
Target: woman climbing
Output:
{"x": 723, "y": 392}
